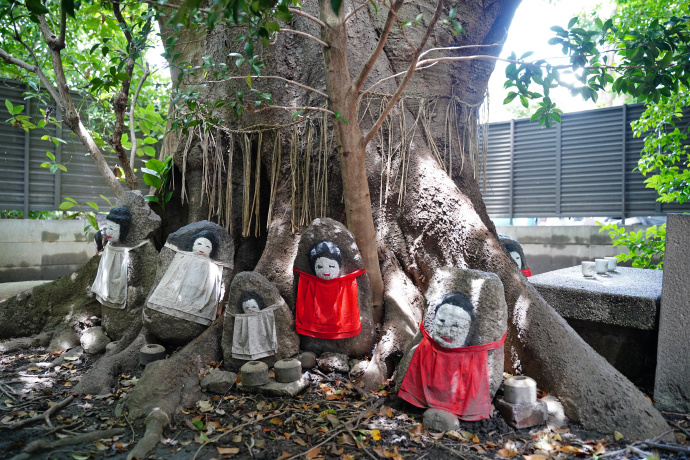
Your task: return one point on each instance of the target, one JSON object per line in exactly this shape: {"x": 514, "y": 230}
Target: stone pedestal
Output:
{"x": 672, "y": 380}
{"x": 522, "y": 415}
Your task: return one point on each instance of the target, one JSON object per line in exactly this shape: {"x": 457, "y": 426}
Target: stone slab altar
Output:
{"x": 627, "y": 297}
{"x": 616, "y": 314}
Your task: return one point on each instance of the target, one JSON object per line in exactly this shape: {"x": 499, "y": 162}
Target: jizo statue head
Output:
{"x": 204, "y": 243}
{"x": 325, "y": 260}
{"x": 515, "y": 254}
{"x": 117, "y": 224}
{"x": 251, "y": 302}
{"x": 453, "y": 321}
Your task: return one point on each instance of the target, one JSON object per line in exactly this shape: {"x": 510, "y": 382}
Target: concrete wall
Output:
{"x": 550, "y": 248}
{"x": 42, "y": 249}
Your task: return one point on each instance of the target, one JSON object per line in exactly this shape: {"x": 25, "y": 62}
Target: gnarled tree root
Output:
{"x": 42, "y": 445}
{"x": 41, "y": 339}
{"x": 157, "y": 399}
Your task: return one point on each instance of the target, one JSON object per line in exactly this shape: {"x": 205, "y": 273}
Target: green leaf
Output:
{"x": 418, "y": 18}
{"x": 62, "y": 167}
{"x": 249, "y": 48}
{"x": 50, "y": 155}
{"x": 150, "y": 140}
{"x": 249, "y": 80}
{"x": 36, "y": 7}
{"x": 152, "y": 198}
{"x": 198, "y": 424}
{"x": 336, "y": 5}
{"x": 65, "y": 205}
{"x": 106, "y": 199}
{"x": 148, "y": 150}
{"x": 572, "y": 22}
{"x": 68, "y": 6}
{"x": 152, "y": 181}
{"x": 46, "y": 164}
{"x": 53, "y": 168}
{"x": 452, "y": 13}
{"x": 9, "y": 106}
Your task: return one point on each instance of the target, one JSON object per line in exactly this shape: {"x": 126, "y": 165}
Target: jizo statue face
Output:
{"x": 451, "y": 326}
{"x": 250, "y": 306}
{"x": 517, "y": 258}
{"x": 202, "y": 246}
{"x": 112, "y": 231}
{"x": 326, "y": 268}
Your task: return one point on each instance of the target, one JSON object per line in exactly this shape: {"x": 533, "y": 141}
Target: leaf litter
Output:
{"x": 330, "y": 420}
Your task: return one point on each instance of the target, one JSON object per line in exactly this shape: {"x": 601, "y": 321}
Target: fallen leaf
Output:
{"x": 375, "y": 435}
{"x": 568, "y": 449}
{"x": 335, "y": 451}
{"x": 535, "y": 457}
{"x": 475, "y": 439}
{"x": 347, "y": 457}
{"x": 284, "y": 455}
{"x": 228, "y": 450}
{"x": 101, "y": 446}
{"x": 468, "y": 436}
{"x": 509, "y": 450}
{"x": 237, "y": 438}
{"x": 455, "y": 436}
{"x": 599, "y": 449}
{"x": 300, "y": 441}
{"x": 394, "y": 454}
{"x": 479, "y": 449}
{"x": 345, "y": 439}
{"x": 618, "y": 435}
{"x": 276, "y": 421}
{"x": 313, "y": 452}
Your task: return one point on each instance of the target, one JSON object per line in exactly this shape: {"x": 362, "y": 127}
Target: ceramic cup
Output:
{"x": 588, "y": 269}
{"x": 613, "y": 263}
{"x": 601, "y": 266}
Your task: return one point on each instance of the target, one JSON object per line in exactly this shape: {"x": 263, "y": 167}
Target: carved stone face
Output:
{"x": 451, "y": 326}
{"x": 517, "y": 258}
{"x": 202, "y": 246}
{"x": 326, "y": 268}
{"x": 250, "y": 306}
{"x": 112, "y": 231}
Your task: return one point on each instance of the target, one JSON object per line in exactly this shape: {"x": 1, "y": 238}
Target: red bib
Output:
{"x": 328, "y": 309}
{"x": 527, "y": 272}
{"x": 452, "y": 379}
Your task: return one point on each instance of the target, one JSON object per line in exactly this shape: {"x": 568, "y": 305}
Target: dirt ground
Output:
{"x": 331, "y": 419}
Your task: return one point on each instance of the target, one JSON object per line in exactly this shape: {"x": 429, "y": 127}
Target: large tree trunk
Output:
{"x": 425, "y": 217}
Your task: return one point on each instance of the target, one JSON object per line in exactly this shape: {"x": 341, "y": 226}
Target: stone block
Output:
{"x": 273, "y": 388}
{"x": 672, "y": 380}
{"x": 439, "y": 420}
{"x": 287, "y": 370}
{"x": 254, "y": 373}
{"x": 520, "y": 389}
{"x": 218, "y": 381}
{"x": 628, "y": 297}
{"x": 333, "y": 362}
{"x": 522, "y": 415}
{"x": 307, "y": 358}
{"x": 150, "y": 353}
{"x": 531, "y": 234}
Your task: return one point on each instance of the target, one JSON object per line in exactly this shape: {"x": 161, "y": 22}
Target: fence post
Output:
{"x": 512, "y": 165}
{"x": 27, "y": 163}
{"x": 624, "y": 149}
{"x": 558, "y": 167}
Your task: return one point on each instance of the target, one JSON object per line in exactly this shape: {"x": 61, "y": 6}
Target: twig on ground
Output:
{"x": 640, "y": 452}
{"x": 8, "y": 393}
{"x": 41, "y": 445}
{"x": 59, "y": 428}
{"x": 656, "y": 445}
{"x": 233, "y": 429}
{"x": 452, "y": 451}
{"x": 45, "y": 416}
{"x": 359, "y": 446}
{"x": 362, "y": 393}
{"x": 677, "y": 425}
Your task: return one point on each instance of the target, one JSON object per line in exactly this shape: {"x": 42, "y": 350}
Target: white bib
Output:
{"x": 110, "y": 285}
{"x": 254, "y": 334}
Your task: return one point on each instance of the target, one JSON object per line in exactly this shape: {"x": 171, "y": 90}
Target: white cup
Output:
{"x": 601, "y": 266}
{"x": 613, "y": 263}
{"x": 588, "y": 269}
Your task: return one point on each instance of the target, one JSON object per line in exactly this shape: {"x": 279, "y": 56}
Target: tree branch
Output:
{"x": 316, "y": 109}
{"x": 63, "y": 27}
{"x": 369, "y": 64}
{"x": 274, "y": 77}
{"x": 304, "y": 34}
{"x": 408, "y": 75}
{"x": 347, "y": 18}
{"x": 308, "y": 16}
{"x": 132, "y": 135}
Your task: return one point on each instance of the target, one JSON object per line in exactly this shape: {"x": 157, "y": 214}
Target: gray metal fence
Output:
{"x": 24, "y": 184}
{"x": 581, "y": 167}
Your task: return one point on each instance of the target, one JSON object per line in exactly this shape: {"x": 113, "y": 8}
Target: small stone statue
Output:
{"x": 514, "y": 248}
{"x": 455, "y": 362}
{"x": 191, "y": 286}
{"x": 110, "y": 285}
{"x": 258, "y": 324}
{"x": 327, "y": 303}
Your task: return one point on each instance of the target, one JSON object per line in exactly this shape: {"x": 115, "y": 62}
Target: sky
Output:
{"x": 530, "y": 31}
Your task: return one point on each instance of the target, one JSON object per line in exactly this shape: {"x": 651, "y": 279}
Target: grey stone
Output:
{"x": 254, "y": 373}
{"x": 171, "y": 329}
{"x": 288, "y": 340}
{"x": 218, "y": 381}
{"x": 93, "y": 340}
{"x": 141, "y": 269}
{"x": 150, "y": 353}
{"x": 439, "y": 420}
{"x": 485, "y": 290}
{"x": 520, "y": 389}
{"x": 627, "y": 297}
{"x": 357, "y": 367}
{"x": 110, "y": 346}
{"x": 331, "y": 230}
{"x": 672, "y": 380}
{"x": 333, "y": 362}
{"x": 64, "y": 340}
{"x": 308, "y": 359}
{"x": 287, "y": 370}
{"x": 273, "y": 388}
{"x": 76, "y": 352}
{"x": 522, "y": 415}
